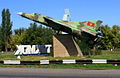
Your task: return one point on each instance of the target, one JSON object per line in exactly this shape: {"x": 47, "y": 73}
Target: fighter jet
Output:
{"x": 74, "y": 28}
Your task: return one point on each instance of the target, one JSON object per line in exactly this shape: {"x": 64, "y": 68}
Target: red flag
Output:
{"x": 90, "y": 24}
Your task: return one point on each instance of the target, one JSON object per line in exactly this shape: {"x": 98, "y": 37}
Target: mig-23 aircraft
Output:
{"x": 74, "y": 28}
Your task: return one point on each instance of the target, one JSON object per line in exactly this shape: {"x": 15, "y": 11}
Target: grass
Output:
{"x": 105, "y": 55}
{"x": 10, "y": 56}
{"x": 110, "y": 55}
{"x": 68, "y": 66}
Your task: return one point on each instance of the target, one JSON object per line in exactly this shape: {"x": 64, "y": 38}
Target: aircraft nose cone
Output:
{"x": 20, "y": 13}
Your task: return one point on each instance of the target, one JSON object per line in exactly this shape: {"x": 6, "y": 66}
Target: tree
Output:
{"x": 38, "y": 35}
{"x": 1, "y": 40}
{"x": 105, "y": 42}
{"x": 115, "y": 36}
{"x": 19, "y": 31}
{"x": 6, "y": 29}
{"x": 111, "y": 37}
{"x": 34, "y": 35}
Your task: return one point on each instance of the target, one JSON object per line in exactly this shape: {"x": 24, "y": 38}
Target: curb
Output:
{"x": 94, "y": 61}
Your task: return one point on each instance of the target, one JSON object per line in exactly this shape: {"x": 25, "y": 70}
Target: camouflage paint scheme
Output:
{"x": 74, "y": 28}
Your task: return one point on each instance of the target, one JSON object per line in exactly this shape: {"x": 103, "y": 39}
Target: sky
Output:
{"x": 80, "y": 10}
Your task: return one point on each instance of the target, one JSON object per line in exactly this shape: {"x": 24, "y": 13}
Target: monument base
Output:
{"x": 65, "y": 46}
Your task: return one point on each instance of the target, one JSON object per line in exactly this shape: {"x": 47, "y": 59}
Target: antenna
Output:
{"x": 66, "y": 16}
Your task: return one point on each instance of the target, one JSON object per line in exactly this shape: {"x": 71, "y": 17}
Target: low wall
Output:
{"x": 95, "y": 61}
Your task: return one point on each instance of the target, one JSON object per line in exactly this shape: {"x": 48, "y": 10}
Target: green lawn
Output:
{"x": 114, "y": 55}
{"x": 68, "y": 66}
{"x": 105, "y": 55}
{"x": 10, "y": 56}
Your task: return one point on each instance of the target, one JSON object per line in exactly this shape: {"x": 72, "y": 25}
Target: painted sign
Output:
{"x": 23, "y": 50}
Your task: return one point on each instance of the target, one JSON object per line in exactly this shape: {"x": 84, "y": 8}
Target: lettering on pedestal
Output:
{"x": 23, "y": 50}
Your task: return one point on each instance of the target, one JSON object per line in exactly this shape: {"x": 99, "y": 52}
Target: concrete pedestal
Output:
{"x": 65, "y": 46}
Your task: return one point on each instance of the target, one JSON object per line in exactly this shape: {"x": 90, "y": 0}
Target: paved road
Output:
{"x": 57, "y": 73}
